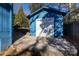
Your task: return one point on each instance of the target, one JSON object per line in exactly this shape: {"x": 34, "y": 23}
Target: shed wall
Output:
{"x": 57, "y": 29}
{"x": 5, "y": 27}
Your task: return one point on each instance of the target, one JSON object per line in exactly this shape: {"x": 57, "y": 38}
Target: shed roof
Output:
{"x": 47, "y": 9}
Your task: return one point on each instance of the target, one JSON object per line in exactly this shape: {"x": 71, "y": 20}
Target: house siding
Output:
{"x": 57, "y": 23}
{"x": 5, "y": 26}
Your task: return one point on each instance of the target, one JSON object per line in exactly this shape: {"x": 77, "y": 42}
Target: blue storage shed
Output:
{"x": 5, "y": 26}
{"x": 46, "y": 22}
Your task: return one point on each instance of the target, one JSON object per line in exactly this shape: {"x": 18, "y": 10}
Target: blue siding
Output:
{"x": 47, "y": 23}
{"x": 33, "y": 22}
{"x": 5, "y": 26}
{"x": 58, "y": 25}
{"x": 1, "y": 18}
{"x": 33, "y": 25}
{"x": 42, "y": 14}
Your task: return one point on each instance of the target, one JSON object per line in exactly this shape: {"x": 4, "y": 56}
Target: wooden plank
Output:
{"x": 20, "y": 45}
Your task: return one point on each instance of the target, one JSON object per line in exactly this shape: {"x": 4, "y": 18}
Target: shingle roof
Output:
{"x": 47, "y": 9}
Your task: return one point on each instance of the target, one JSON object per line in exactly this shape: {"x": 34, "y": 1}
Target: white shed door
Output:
{"x": 39, "y": 30}
{"x": 45, "y": 27}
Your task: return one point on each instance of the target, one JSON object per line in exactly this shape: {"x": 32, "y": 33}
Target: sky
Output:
{"x": 25, "y": 8}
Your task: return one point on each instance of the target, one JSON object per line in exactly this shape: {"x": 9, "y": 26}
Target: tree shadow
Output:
{"x": 18, "y": 33}
{"x": 71, "y": 33}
